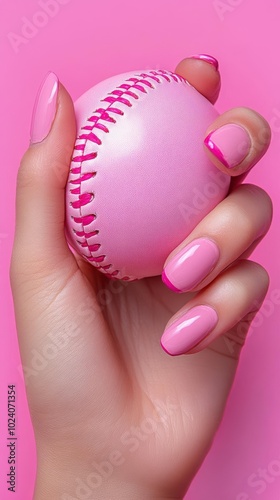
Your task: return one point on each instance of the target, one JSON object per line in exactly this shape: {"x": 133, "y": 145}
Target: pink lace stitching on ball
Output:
{"x": 122, "y": 94}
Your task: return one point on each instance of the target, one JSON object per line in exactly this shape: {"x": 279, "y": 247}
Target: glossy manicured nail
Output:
{"x": 191, "y": 265}
{"x": 230, "y": 143}
{"x": 207, "y": 58}
{"x": 44, "y": 109}
{"x": 188, "y": 330}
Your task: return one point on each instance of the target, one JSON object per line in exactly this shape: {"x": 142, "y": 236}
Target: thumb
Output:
{"x": 40, "y": 245}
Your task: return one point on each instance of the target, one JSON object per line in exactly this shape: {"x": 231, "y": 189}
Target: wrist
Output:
{"x": 66, "y": 472}
{"x": 73, "y": 483}
{"x": 82, "y": 491}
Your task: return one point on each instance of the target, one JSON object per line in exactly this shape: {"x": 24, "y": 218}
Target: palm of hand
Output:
{"x": 112, "y": 385}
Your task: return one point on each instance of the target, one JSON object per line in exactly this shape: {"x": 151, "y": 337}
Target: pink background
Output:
{"x": 84, "y": 42}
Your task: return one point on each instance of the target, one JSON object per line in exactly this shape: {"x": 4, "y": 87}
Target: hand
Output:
{"x": 114, "y": 416}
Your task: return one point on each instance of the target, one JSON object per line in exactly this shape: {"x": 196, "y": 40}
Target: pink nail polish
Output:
{"x": 191, "y": 265}
{"x": 44, "y": 109}
{"x": 208, "y": 59}
{"x": 230, "y": 143}
{"x": 188, "y": 330}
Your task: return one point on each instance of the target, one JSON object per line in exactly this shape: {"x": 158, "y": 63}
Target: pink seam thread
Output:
{"x": 119, "y": 95}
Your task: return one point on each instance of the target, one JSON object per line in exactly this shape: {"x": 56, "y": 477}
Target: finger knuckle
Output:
{"x": 32, "y": 169}
{"x": 251, "y": 208}
{"x": 261, "y": 274}
{"x": 25, "y": 176}
{"x": 258, "y": 274}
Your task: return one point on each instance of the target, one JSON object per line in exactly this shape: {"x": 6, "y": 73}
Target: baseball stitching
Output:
{"x": 122, "y": 94}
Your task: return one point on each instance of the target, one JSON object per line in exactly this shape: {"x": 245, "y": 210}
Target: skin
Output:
{"x": 106, "y": 385}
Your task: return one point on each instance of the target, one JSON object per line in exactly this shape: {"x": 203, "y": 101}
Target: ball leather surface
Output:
{"x": 140, "y": 180}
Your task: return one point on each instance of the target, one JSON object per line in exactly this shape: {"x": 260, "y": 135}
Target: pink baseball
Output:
{"x": 140, "y": 180}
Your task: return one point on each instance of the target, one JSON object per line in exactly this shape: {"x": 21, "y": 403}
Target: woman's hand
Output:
{"x": 116, "y": 417}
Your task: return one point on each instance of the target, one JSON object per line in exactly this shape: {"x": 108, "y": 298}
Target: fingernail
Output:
{"x": 44, "y": 109}
{"x": 191, "y": 265}
{"x": 188, "y": 330}
{"x": 230, "y": 144}
{"x": 207, "y": 58}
